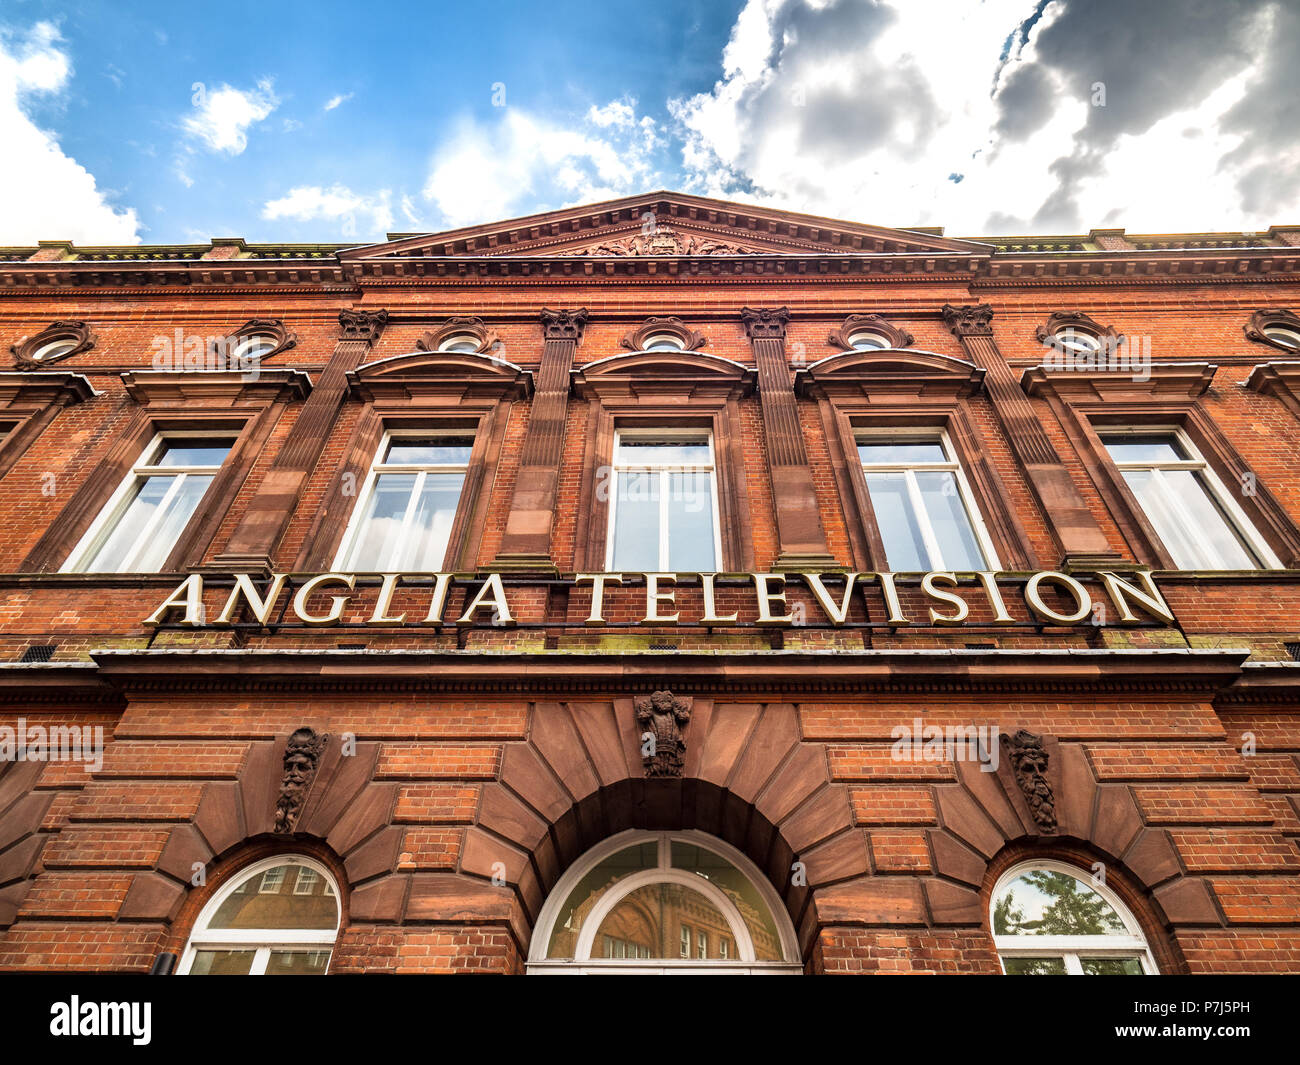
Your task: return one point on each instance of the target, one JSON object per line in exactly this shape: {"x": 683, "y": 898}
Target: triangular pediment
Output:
{"x": 666, "y": 224}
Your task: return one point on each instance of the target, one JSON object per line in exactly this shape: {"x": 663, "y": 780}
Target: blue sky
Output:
{"x": 166, "y": 122}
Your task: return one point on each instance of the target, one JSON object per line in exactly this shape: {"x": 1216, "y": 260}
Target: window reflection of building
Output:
{"x": 666, "y": 918}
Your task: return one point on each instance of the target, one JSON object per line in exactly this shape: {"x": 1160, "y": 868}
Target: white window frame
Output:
{"x": 269, "y": 884}
{"x": 254, "y": 346}
{"x": 1236, "y": 517}
{"x": 861, "y": 334}
{"x": 455, "y": 344}
{"x": 664, "y": 470}
{"x": 1284, "y": 335}
{"x": 952, "y": 464}
{"x": 586, "y": 957}
{"x": 113, "y": 511}
{"x": 675, "y": 343}
{"x": 54, "y": 349}
{"x": 352, "y": 535}
{"x": 1075, "y": 339}
{"x": 1072, "y": 948}
{"x": 261, "y": 940}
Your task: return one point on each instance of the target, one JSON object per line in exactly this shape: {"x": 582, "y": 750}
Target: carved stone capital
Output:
{"x": 767, "y": 323}
{"x": 302, "y": 755}
{"x": 970, "y": 321}
{"x": 1261, "y": 320}
{"x": 1029, "y": 761}
{"x": 362, "y": 325}
{"x": 869, "y": 323}
{"x": 77, "y": 334}
{"x": 563, "y": 325}
{"x": 661, "y": 717}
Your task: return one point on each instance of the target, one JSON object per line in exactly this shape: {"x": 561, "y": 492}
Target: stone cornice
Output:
{"x": 1000, "y": 270}
{"x": 813, "y": 672}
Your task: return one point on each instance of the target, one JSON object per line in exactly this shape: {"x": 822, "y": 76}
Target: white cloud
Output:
{"x": 354, "y": 213}
{"x": 492, "y": 170}
{"x": 909, "y": 114}
{"x": 46, "y": 194}
{"x": 335, "y": 101}
{"x": 222, "y": 117}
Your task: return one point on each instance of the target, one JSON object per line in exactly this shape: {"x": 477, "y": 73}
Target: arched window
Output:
{"x": 251, "y": 348}
{"x": 460, "y": 342}
{"x": 868, "y": 341}
{"x": 1285, "y": 336}
{"x": 651, "y": 902}
{"x": 1053, "y": 919}
{"x": 1076, "y": 340}
{"x": 664, "y": 342}
{"x": 280, "y": 916}
{"x": 54, "y": 350}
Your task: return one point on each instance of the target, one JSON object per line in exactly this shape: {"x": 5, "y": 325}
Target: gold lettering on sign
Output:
{"x": 837, "y": 612}
{"x": 768, "y": 596}
{"x": 1035, "y": 598}
{"x": 380, "y": 614}
{"x": 1147, "y": 596}
{"x": 188, "y": 597}
{"x": 653, "y": 597}
{"x": 261, "y": 607}
{"x": 438, "y": 602}
{"x": 1133, "y": 594}
{"x": 337, "y": 603}
{"x": 497, "y": 601}
{"x": 944, "y": 596}
{"x": 598, "y": 582}
{"x": 1000, "y": 615}
{"x": 710, "y": 606}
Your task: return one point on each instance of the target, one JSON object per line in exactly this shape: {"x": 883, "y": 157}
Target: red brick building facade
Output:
{"x": 959, "y": 585}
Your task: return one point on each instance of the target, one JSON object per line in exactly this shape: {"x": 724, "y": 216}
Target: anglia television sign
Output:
{"x": 946, "y": 598}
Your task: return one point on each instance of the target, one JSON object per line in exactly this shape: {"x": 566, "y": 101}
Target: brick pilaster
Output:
{"x": 801, "y": 539}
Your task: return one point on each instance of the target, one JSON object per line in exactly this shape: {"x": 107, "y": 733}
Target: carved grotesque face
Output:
{"x": 1033, "y": 763}
{"x": 661, "y": 703}
{"x": 297, "y": 768}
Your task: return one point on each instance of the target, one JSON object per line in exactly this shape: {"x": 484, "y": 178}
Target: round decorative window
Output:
{"x": 254, "y": 347}
{"x": 868, "y": 341}
{"x": 54, "y": 349}
{"x": 461, "y": 342}
{"x": 1078, "y": 340}
{"x": 654, "y": 901}
{"x": 663, "y": 342}
{"x": 1280, "y": 334}
{"x": 1052, "y": 919}
{"x": 280, "y": 916}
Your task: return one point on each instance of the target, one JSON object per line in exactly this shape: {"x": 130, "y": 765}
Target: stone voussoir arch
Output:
{"x": 988, "y": 821}
{"x": 748, "y": 778}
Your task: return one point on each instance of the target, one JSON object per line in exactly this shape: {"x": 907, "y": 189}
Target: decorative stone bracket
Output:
{"x": 661, "y": 716}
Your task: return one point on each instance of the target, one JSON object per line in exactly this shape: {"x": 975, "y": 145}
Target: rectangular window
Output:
{"x": 408, "y": 504}
{"x": 663, "y": 512}
{"x": 306, "y": 882}
{"x": 724, "y": 947}
{"x": 146, "y": 516}
{"x": 1199, "y": 523}
{"x": 702, "y": 945}
{"x": 272, "y": 881}
{"x": 685, "y": 949}
{"x": 924, "y": 509}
